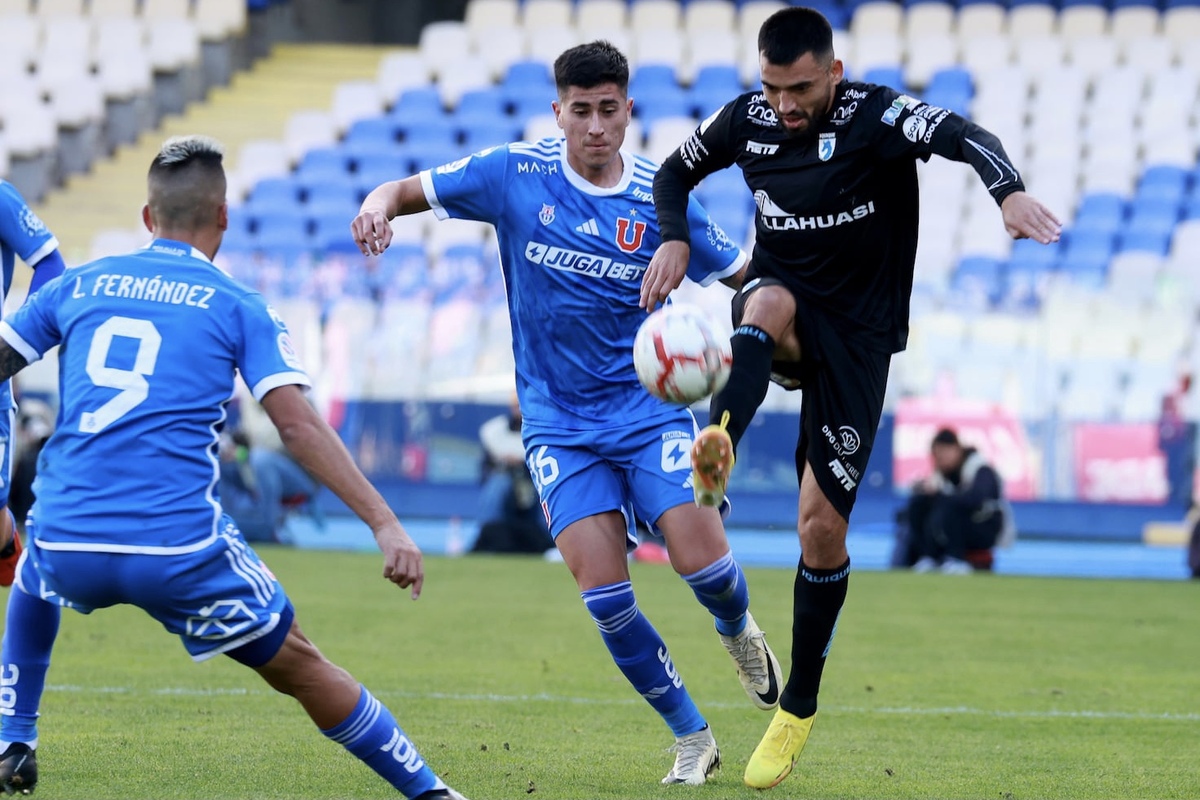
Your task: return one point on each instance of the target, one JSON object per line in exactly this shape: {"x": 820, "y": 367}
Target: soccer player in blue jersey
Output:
{"x": 576, "y": 226}
{"x": 127, "y": 510}
{"x": 22, "y": 234}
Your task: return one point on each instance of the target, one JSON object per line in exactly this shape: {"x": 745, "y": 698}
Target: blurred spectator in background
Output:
{"x": 510, "y": 518}
{"x": 1177, "y": 441}
{"x": 260, "y": 487}
{"x": 35, "y": 423}
{"x": 957, "y": 515}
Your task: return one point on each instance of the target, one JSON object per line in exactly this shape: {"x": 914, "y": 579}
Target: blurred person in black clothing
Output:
{"x": 510, "y": 518}
{"x": 957, "y": 512}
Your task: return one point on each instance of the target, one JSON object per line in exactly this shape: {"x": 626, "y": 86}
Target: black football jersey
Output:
{"x": 837, "y": 210}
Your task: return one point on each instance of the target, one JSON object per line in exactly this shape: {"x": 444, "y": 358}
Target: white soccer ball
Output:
{"x": 680, "y": 356}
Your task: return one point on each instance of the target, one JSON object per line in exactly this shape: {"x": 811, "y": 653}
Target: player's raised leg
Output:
{"x": 766, "y": 314}
{"x": 349, "y": 714}
{"x": 700, "y": 554}
{"x": 818, "y": 595}
{"x": 594, "y": 549}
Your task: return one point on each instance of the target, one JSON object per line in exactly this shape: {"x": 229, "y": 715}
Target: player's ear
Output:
{"x": 629, "y": 107}
{"x": 147, "y": 218}
{"x": 837, "y": 70}
{"x": 223, "y": 217}
{"x": 557, "y": 108}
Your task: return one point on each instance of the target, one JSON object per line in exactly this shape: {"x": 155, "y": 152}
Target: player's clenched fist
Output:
{"x": 371, "y": 232}
{"x": 402, "y": 562}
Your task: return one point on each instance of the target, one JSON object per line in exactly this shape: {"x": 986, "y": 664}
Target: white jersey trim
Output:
{"x": 46, "y": 249}
{"x": 739, "y": 260}
{"x": 16, "y": 342}
{"x": 279, "y": 379}
{"x": 128, "y": 549}
{"x": 587, "y": 187}
{"x": 431, "y": 195}
{"x": 225, "y": 647}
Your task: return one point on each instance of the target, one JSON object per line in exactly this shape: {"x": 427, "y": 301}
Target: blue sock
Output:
{"x": 721, "y": 588}
{"x": 641, "y": 655}
{"x": 30, "y": 627}
{"x": 371, "y": 733}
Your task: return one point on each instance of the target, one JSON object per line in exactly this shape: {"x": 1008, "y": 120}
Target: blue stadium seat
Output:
{"x": 403, "y": 269}
{"x": 952, "y": 79}
{"x": 479, "y": 105}
{"x": 416, "y": 104}
{"x": 324, "y": 159}
{"x": 885, "y": 76}
{"x": 342, "y": 196}
{"x": 731, "y": 214}
{"x": 1150, "y": 240}
{"x": 367, "y": 158}
{"x": 528, "y": 75}
{"x": 375, "y": 172}
{"x": 1088, "y": 245}
{"x": 651, "y": 106}
{"x": 331, "y": 233}
{"x": 381, "y": 131}
{"x": 1032, "y": 256}
{"x": 1102, "y": 206}
{"x": 1191, "y": 207}
{"x": 956, "y": 100}
{"x": 1162, "y": 183}
{"x": 1155, "y": 215}
{"x": 652, "y": 78}
{"x": 237, "y": 240}
{"x": 280, "y": 222}
{"x": 1071, "y": 3}
{"x": 837, "y": 14}
{"x": 275, "y": 191}
{"x": 526, "y": 103}
{"x": 1085, "y": 270}
{"x": 981, "y": 278}
{"x": 714, "y": 86}
{"x": 328, "y": 188}
{"x": 1133, "y": 3}
{"x": 433, "y": 130}
{"x": 481, "y": 135}
{"x": 1180, "y": 3}
{"x": 428, "y": 155}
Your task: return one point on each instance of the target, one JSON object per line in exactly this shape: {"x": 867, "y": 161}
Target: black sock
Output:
{"x": 748, "y": 380}
{"x": 818, "y": 598}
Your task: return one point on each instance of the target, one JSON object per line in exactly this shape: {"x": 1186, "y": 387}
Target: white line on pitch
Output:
{"x": 549, "y": 698}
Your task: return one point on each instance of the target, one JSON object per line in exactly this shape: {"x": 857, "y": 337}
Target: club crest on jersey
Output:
{"x": 629, "y": 234}
{"x": 547, "y": 214}
{"x": 826, "y": 144}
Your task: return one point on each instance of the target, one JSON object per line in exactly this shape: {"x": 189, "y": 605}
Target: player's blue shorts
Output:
{"x": 640, "y": 469}
{"x": 221, "y": 599}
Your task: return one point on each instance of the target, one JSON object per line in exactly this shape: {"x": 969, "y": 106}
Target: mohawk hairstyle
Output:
{"x": 187, "y": 183}
{"x": 179, "y": 151}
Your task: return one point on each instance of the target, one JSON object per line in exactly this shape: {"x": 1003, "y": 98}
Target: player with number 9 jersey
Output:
{"x": 157, "y": 337}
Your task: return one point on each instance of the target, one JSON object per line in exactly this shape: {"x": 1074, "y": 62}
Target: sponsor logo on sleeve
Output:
{"x": 692, "y": 150}
{"x": 896, "y": 108}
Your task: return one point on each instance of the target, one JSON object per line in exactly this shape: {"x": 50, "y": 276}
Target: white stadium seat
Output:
{"x": 1096, "y": 55}
{"x": 219, "y": 19}
{"x": 484, "y": 15}
{"x": 398, "y": 72}
{"x": 545, "y": 44}
{"x": 875, "y": 17}
{"x": 59, "y": 8}
{"x": 465, "y": 75}
{"x": 99, "y": 9}
{"x": 19, "y": 38}
{"x": 441, "y": 43}
{"x": 546, "y": 14}
{"x": 593, "y": 15}
{"x": 876, "y": 50}
{"x": 1132, "y": 22}
{"x": 753, "y": 14}
{"x": 355, "y": 100}
{"x": 986, "y": 53}
{"x": 926, "y": 55}
{"x": 710, "y": 48}
{"x": 499, "y": 48}
{"x": 980, "y": 19}
{"x": 655, "y": 15}
{"x": 308, "y": 130}
{"x": 172, "y": 43}
{"x": 931, "y": 18}
{"x": 166, "y": 9}
{"x": 662, "y": 46}
{"x": 541, "y": 127}
{"x": 1083, "y": 20}
{"x": 1149, "y": 53}
{"x": 666, "y": 134}
{"x": 1031, "y": 20}
{"x": 1182, "y": 25}
{"x": 709, "y": 15}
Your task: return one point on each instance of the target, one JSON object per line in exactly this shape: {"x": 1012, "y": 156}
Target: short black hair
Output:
{"x": 186, "y": 183}
{"x": 945, "y": 436}
{"x": 789, "y": 33}
{"x": 589, "y": 65}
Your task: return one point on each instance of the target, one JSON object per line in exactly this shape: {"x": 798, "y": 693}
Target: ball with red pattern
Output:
{"x": 680, "y": 356}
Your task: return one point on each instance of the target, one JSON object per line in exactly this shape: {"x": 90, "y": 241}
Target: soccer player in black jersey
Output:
{"x": 832, "y": 165}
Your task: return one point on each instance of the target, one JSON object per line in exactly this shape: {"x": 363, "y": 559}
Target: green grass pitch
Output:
{"x": 937, "y": 687}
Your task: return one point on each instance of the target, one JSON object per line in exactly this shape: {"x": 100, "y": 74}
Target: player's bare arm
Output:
{"x": 318, "y": 449}
{"x": 370, "y": 228}
{"x": 11, "y": 362}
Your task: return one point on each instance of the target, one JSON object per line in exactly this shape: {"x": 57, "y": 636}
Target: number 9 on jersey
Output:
{"x": 680, "y": 356}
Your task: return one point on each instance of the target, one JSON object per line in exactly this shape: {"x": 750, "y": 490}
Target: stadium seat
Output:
{"x": 1082, "y": 18}
{"x": 480, "y": 135}
{"x": 1163, "y": 183}
{"x": 417, "y": 104}
{"x": 399, "y": 72}
{"x": 707, "y": 49}
{"x": 546, "y": 14}
{"x": 877, "y": 17}
{"x": 980, "y": 281}
{"x": 467, "y": 74}
{"x": 927, "y": 55}
{"x": 713, "y": 87}
{"x": 655, "y": 15}
{"x": 274, "y": 193}
{"x": 308, "y": 130}
{"x": 1031, "y": 18}
{"x": 591, "y": 15}
{"x": 753, "y": 13}
{"x": 979, "y": 18}
{"x": 709, "y": 15}
{"x": 443, "y": 43}
{"x": 486, "y": 15}
{"x": 885, "y": 76}
{"x": 1131, "y": 19}
{"x": 355, "y": 100}
{"x": 875, "y": 50}
{"x": 374, "y": 131}
{"x": 654, "y": 46}
{"x": 928, "y": 18}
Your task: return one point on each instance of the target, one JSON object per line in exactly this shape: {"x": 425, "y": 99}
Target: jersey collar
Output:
{"x": 587, "y": 187}
{"x": 174, "y": 248}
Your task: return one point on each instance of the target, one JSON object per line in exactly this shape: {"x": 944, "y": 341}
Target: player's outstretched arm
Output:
{"x": 370, "y": 228}
{"x": 318, "y": 449}
{"x": 1026, "y": 218}
{"x": 11, "y": 362}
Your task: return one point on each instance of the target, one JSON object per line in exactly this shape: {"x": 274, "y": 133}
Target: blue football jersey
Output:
{"x": 22, "y": 234}
{"x": 573, "y": 256}
{"x": 151, "y": 343}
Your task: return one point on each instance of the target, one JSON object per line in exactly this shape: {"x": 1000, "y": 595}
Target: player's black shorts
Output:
{"x": 842, "y": 399}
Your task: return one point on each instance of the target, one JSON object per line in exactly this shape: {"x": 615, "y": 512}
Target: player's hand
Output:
{"x": 402, "y": 562}
{"x": 1026, "y": 218}
{"x": 371, "y": 232}
{"x": 665, "y": 273}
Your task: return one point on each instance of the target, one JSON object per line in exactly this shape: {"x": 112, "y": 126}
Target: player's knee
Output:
{"x": 298, "y": 666}
{"x": 822, "y": 531}
{"x": 771, "y": 308}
